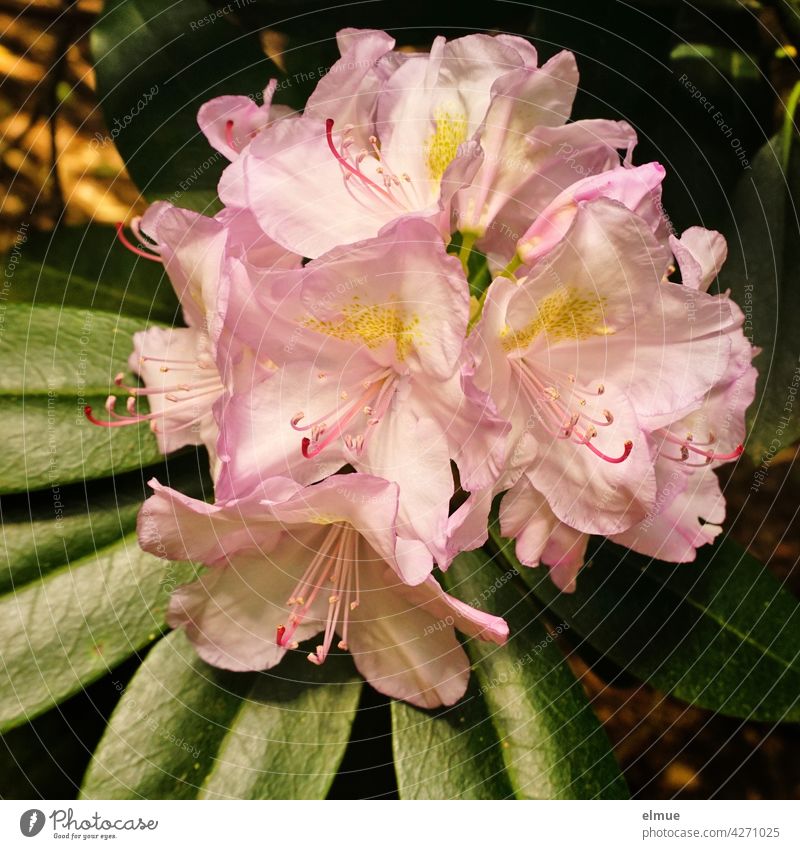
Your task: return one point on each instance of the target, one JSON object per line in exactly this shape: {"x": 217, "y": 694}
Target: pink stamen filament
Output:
{"x": 690, "y": 446}
{"x": 624, "y": 456}
{"x": 352, "y": 605}
{"x": 136, "y": 229}
{"x": 311, "y": 450}
{"x": 381, "y": 384}
{"x": 367, "y": 385}
{"x": 133, "y": 248}
{"x": 337, "y": 557}
{"x": 201, "y": 390}
{"x": 350, "y": 168}
{"x": 192, "y": 363}
{"x": 547, "y": 403}
{"x": 162, "y": 390}
{"x": 174, "y": 400}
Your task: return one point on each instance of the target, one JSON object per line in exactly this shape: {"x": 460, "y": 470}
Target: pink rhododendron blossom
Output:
{"x": 456, "y": 134}
{"x": 231, "y": 121}
{"x": 372, "y": 370}
{"x": 289, "y": 562}
{"x": 529, "y": 153}
{"x": 639, "y": 189}
{"x": 366, "y": 396}
{"x": 591, "y": 352}
{"x": 179, "y": 365}
{"x": 688, "y": 506}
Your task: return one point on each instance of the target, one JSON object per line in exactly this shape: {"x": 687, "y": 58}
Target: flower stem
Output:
{"x": 512, "y": 266}
{"x": 787, "y": 131}
{"x": 467, "y": 241}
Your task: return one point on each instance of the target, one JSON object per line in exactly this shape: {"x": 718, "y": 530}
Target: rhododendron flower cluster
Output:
{"x": 427, "y": 292}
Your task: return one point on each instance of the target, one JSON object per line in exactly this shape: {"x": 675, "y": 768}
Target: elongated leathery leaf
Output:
{"x": 70, "y": 628}
{"x": 720, "y": 633}
{"x": 186, "y": 730}
{"x": 55, "y": 362}
{"x": 525, "y": 730}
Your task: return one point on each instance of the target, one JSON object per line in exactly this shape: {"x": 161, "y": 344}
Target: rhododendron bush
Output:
{"x": 416, "y": 387}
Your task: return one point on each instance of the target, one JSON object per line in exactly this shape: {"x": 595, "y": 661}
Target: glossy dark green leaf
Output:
{"x": 156, "y": 64}
{"x": 47, "y": 757}
{"x": 763, "y": 272}
{"x": 42, "y": 531}
{"x": 87, "y": 267}
{"x": 186, "y": 730}
{"x": 720, "y": 633}
{"x": 452, "y": 753}
{"x": 70, "y": 628}
{"x": 529, "y": 731}
{"x": 56, "y": 361}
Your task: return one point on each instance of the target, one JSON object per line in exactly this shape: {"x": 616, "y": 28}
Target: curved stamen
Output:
{"x": 624, "y": 456}
{"x": 131, "y": 247}
{"x": 683, "y": 459}
{"x": 137, "y": 391}
{"x": 87, "y": 411}
{"x": 381, "y": 384}
{"x": 201, "y": 389}
{"x": 350, "y": 168}
{"x": 137, "y": 231}
{"x": 688, "y": 445}
{"x": 366, "y": 385}
{"x": 193, "y": 363}
{"x": 337, "y": 558}
{"x": 547, "y": 403}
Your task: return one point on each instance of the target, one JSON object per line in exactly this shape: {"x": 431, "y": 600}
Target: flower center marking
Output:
{"x": 372, "y": 325}
{"x": 441, "y": 147}
{"x": 566, "y": 314}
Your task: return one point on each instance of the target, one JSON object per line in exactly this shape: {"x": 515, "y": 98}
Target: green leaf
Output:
{"x": 156, "y": 65}
{"x": 532, "y": 733}
{"x": 42, "y": 531}
{"x": 76, "y": 525}
{"x": 710, "y": 60}
{"x": 720, "y": 633}
{"x": 47, "y": 757}
{"x": 186, "y": 730}
{"x": 87, "y": 267}
{"x": 56, "y": 361}
{"x": 763, "y": 274}
{"x": 70, "y": 628}
{"x": 453, "y": 753}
